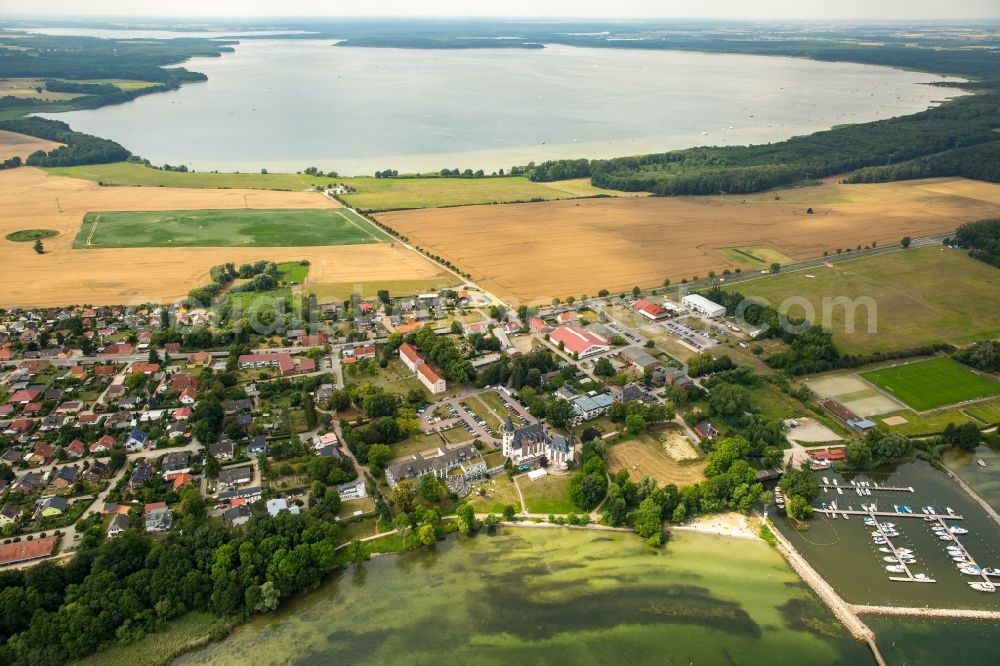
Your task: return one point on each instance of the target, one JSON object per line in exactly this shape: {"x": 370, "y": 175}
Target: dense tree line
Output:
{"x": 81, "y": 88}
{"x": 983, "y": 355}
{"x": 119, "y": 590}
{"x": 79, "y": 148}
{"x": 983, "y": 240}
{"x": 878, "y": 448}
{"x": 981, "y": 162}
{"x": 442, "y": 352}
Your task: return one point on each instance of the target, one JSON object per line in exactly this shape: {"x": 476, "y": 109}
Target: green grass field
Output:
{"x": 27, "y": 235}
{"x": 239, "y": 227}
{"x": 922, "y": 296}
{"x": 371, "y": 194}
{"x": 935, "y": 383}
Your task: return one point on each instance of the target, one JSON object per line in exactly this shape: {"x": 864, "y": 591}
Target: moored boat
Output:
{"x": 982, "y": 586}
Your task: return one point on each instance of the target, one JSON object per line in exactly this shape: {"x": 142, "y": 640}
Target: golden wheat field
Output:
{"x": 534, "y": 252}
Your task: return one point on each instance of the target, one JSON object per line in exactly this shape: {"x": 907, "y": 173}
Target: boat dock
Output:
{"x": 965, "y": 552}
{"x": 868, "y": 489}
{"x": 886, "y": 514}
{"x": 909, "y": 578}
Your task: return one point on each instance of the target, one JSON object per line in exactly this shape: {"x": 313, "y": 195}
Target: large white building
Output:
{"x": 706, "y": 307}
{"x": 528, "y": 443}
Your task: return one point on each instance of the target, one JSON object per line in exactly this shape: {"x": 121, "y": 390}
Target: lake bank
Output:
{"x": 554, "y": 595}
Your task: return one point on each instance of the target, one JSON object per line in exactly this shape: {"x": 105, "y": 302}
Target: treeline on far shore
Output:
{"x": 952, "y": 139}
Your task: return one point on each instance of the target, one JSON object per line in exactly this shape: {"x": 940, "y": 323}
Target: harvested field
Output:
{"x": 31, "y": 199}
{"x": 921, "y": 296}
{"x": 647, "y": 456}
{"x": 533, "y": 252}
{"x": 21, "y": 145}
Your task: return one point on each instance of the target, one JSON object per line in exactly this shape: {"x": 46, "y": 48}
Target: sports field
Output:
{"x": 534, "y": 252}
{"x": 246, "y": 227}
{"x": 370, "y": 194}
{"x": 920, "y": 296}
{"x": 934, "y": 383}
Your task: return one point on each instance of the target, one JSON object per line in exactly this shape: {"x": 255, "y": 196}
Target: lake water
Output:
{"x": 559, "y": 596}
{"x": 288, "y": 104}
{"x": 984, "y": 480}
{"x": 843, "y": 551}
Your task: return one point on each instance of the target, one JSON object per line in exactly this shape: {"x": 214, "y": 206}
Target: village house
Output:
{"x": 235, "y": 476}
{"x": 119, "y": 524}
{"x": 158, "y": 517}
{"x": 142, "y": 473}
{"x": 222, "y": 450}
{"x": 237, "y": 515}
{"x": 580, "y": 342}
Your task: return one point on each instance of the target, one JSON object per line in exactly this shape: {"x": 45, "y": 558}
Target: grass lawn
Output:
{"x": 925, "y": 424}
{"x": 293, "y": 271}
{"x": 330, "y": 292}
{"x": 922, "y": 295}
{"x": 371, "y": 194}
{"x": 484, "y": 414}
{"x": 550, "y": 494}
{"x": 188, "y": 632}
{"x": 755, "y": 257}
{"x": 498, "y": 493}
{"x": 775, "y": 404}
{"x": 240, "y": 227}
{"x": 988, "y": 412}
{"x": 934, "y": 383}
{"x": 394, "y": 378}
{"x": 416, "y": 443}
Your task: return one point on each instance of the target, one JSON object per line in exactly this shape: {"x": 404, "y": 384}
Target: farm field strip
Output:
{"x": 933, "y": 383}
{"x": 370, "y": 193}
{"x": 534, "y": 252}
{"x": 268, "y": 227}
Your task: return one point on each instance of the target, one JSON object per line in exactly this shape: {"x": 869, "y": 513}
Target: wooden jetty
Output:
{"x": 909, "y": 578}
{"x": 886, "y": 514}
{"x": 887, "y": 489}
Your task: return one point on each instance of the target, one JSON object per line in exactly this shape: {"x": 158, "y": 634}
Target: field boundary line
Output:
{"x": 93, "y": 228}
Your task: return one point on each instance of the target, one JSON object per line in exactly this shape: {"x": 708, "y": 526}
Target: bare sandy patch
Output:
{"x": 648, "y": 457}
{"x": 31, "y": 199}
{"x": 533, "y": 252}
{"x": 810, "y": 430}
{"x": 894, "y": 421}
{"x": 722, "y": 524}
{"x": 13, "y": 144}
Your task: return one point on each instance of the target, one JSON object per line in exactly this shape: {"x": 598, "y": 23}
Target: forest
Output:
{"x": 80, "y": 148}
{"x": 964, "y": 122}
{"x": 980, "y": 162}
{"x": 121, "y": 589}
{"x": 982, "y": 238}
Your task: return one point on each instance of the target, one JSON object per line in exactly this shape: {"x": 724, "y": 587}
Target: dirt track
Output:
{"x": 31, "y": 199}
{"x": 533, "y": 252}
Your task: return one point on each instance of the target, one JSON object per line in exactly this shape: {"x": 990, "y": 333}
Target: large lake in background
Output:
{"x": 288, "y": 104}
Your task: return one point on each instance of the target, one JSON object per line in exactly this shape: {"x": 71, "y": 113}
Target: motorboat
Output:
{"x": 946, "y": 537}
{"x": 895, "y": 568}
{"x": 890, "y": 558}
{"x": 951, "y": 511}
{"x": 906, "y": 509}
{"x": 980, "y": 462}
{"x": 982, "y": 586}
{"x": 991, "y": 571}
{"x": 885, "y": 550}
{"x": 920, "y": 576}
{"x": 958, "y": 558}
{"x": 895, "y": 507}
{"x": 826, "y": 481}
{"x": 955, "y": 529}
{"x": 932, "y": 510}
{"x": 924, "y": 509}
{"x": 971, "y": 570}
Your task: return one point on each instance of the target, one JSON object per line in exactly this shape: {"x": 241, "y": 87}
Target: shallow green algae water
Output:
{"x": 537, "y": 596}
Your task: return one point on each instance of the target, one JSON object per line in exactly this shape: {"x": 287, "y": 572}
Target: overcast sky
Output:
{"x": 712, "y": 9}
